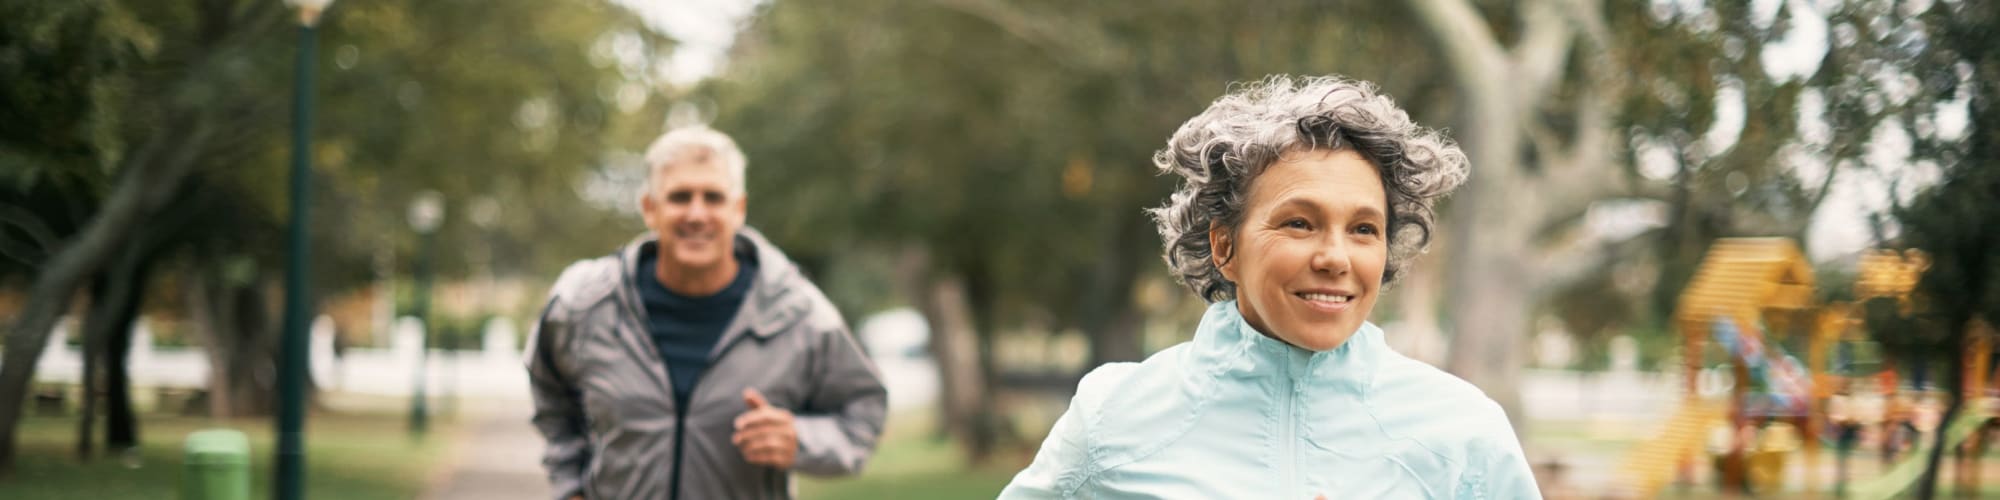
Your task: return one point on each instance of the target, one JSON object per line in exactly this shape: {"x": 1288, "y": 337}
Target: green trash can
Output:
{"x": 217, "y": 466}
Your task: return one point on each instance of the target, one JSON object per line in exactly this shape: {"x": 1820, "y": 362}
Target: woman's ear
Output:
{"x": 1222, "y": 249}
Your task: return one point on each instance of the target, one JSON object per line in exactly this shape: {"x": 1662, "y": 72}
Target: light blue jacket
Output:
{"x": 1235, "y": 414}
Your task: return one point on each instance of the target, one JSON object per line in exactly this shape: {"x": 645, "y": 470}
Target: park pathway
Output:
{"x": 496, "y": 456}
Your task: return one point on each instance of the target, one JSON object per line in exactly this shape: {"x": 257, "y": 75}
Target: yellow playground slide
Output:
{"x": 1650, "y": 465}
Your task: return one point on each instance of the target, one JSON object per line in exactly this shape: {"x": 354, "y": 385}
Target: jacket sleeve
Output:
{"x": 1504, "y": 471}
{"x": 1058, "y": 466}
{"x": 838, "y": 429}
{"x": 558, "y": 407}
{"x": 1064, "y": 463}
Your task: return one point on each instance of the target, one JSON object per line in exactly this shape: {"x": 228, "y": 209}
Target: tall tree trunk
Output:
{"x": 236, "y": 328}
{"x": 1110, "y": 317}
{"x": 203, "y": 314}
{"x": 154, "y": 171}
{"x": 1490, "y": 248}
{"x": 116, "y": 296}
{"x": 1116, "y": 336}
{"x": 1954, "y": 386}
{"x": 952, "y": 343}
{"x": 1496, "y": 274}
{"x": 990, "y": 428}
{"x": 955, "y": 346}
{"x": 96, "y": 337}
{"x": 252, "y": 357}
{"x": 121, "y": 422}
{"x": 121, "y": 425}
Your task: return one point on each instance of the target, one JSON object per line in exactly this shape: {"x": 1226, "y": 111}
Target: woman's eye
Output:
{"x": 1368, "y": 229}
{"x": 1297, "y": 224}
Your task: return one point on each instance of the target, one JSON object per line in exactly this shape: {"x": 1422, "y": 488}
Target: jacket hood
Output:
{"x": 774, "y": 302}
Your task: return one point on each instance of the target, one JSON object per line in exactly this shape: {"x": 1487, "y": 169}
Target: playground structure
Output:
{"x": 1760, "y": 404}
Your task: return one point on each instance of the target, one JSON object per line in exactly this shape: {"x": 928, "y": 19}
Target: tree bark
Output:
{"x": 236, "y": 327}
{"x": 1489, "y": 271}
{"x": 955, "y": 346}
{"x": 121, "y": 424}
{"x": 117, "y": 294}
{"x": 952, "y": 343}
{"x": 116, "y": 297}
{"x": 96, "y": 336}
{"x": 1110, "y": 317}
{"x": 1491, "y": 233}
{"x": 249, "y": 360}
{"x": 1954, "y": 386}
{"x": 989, "y": 428}
{"x": 153, "y": 171}
{"x": 202, "y": 308}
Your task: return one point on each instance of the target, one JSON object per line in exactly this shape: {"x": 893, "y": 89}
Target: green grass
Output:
{"x": 348, "y": 456}
{"x": 909, "y": 464}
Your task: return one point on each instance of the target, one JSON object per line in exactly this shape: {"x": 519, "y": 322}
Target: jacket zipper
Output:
{"x": 1289, "y": 460}
{"x": 637, "y": 311}
{"x": 680, "y": 433}
{"x": 681, "y": 410}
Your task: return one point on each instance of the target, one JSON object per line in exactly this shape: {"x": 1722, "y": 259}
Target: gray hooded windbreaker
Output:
{"x": 604, "y": 402}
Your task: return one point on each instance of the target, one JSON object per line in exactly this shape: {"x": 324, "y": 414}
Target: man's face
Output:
{"x": 695, "y": 208}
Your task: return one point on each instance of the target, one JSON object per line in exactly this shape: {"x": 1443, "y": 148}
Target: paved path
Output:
{"x": 497, "y": 456}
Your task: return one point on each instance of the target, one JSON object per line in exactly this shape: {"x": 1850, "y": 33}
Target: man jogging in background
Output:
{"x": 697, "y": 362}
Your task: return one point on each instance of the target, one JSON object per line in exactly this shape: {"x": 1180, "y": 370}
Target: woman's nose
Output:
{"x": 1330, "y": 257}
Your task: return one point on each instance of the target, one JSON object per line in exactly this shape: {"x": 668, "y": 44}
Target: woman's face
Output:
{"x": 1307, "y": 259}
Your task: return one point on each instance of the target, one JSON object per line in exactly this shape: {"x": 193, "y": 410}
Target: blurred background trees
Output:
{"x": 142, "y": 147}
{"x": 1007, "y": 145}
{"x": 983, "y": 161}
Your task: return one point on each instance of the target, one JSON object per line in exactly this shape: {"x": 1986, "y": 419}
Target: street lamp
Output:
{"x": 290, "y": 483}
{"x": 426, "y": 213}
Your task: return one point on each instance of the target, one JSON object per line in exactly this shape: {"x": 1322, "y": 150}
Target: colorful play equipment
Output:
{"x": 1741, "y": 285}
{"x": 1748, "y": 300}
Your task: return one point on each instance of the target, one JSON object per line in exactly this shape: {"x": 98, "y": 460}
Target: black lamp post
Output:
{"x": 426, "y": 213}
{"x": 291, "y": 460}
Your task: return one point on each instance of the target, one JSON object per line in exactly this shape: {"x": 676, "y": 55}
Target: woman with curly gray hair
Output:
{"x": 1301, "y": 199}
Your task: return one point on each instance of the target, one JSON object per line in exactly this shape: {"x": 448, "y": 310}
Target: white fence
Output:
{"x": 895, "y": 340}
{"x": 493, "y": 371}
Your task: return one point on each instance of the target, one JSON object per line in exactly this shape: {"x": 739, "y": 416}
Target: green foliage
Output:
{"x": 63, "y": 61}
{"x": 1949, "y": 221}
{"x": 1011, "y": 139}
{"x": 505, "y": 107}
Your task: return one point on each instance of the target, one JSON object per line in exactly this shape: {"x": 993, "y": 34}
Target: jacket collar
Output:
{"x": 773, "y": 303}
{"x": 1231, "y": 348}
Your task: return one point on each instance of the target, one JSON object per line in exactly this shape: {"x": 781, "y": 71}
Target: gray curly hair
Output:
{"x": 1220, "y": 151}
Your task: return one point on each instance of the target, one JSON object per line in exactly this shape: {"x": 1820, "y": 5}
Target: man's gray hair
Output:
{"x": 696, "y": 144}
{"x": 1220, "y": 151}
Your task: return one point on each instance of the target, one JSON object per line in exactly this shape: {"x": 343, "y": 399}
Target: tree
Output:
{"x": 1961, "y": 287}
{"x": 134, "y": 115}
{"x": 148, "y": 171}
{"x": 1585, "y": 101}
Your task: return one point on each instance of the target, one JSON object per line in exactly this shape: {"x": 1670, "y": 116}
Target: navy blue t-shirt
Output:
{"x": 686, "y": 328}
